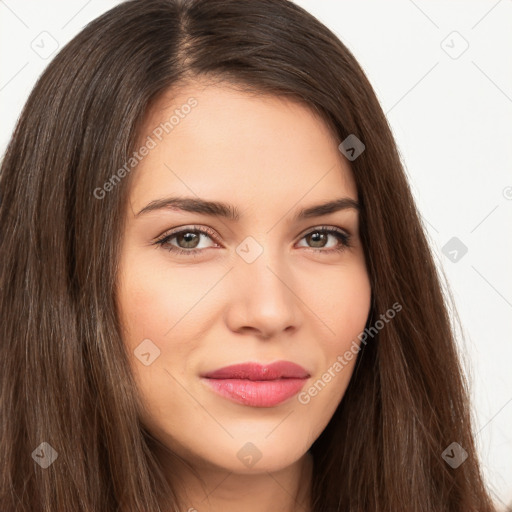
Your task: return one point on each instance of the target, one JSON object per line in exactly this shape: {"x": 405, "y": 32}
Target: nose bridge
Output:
{"x": 260, "y": 264}
{"x": 264, "y": 285}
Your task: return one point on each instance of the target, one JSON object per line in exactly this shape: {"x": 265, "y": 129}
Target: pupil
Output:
{"x": 317, "y": 237}
{"x": 189, "y": 238}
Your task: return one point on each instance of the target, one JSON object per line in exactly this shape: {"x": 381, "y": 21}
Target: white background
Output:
{"x": 450, "y": 108}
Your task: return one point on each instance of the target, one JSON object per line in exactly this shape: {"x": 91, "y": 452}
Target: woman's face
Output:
{"x": 201, "y": 290}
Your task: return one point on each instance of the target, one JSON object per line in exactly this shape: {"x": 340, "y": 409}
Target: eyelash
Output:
{"x": 342, "y": 237}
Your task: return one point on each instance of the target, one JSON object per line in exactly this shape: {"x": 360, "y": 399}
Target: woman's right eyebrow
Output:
{"x": 231, "y": 212}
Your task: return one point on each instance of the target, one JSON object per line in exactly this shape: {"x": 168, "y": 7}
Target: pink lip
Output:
{"x": 258, "y": 385}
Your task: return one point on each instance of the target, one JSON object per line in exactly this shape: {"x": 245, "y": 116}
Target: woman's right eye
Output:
{"x": 189, "y": 237}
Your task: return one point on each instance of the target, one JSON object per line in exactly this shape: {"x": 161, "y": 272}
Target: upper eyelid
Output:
{"x": 175, "y": 231}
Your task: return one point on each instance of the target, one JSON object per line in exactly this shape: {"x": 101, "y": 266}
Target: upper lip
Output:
{"x": 257, "y": 371}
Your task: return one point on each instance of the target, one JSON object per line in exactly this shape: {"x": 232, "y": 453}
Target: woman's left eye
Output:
{"x": 188, "y": 240}
{"x": 320, "y": 235}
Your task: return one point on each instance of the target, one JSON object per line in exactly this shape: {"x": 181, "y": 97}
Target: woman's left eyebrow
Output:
{"x": 231, "y": 212}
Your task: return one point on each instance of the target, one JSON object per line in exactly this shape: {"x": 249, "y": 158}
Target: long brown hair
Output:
{"x": 66, "y": 379}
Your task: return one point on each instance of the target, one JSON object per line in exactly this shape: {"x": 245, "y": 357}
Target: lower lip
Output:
{"x": 257, "y": 393}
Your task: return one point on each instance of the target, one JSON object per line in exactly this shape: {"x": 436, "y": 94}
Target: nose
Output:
{"x": 263, "y": 299}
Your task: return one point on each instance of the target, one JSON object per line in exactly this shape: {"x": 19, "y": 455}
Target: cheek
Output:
{"x": 342, "y": 301}
{"x": 159, "y": 328}
{"x": 353, "y": 307}
{"x": 354, "y": 302}
{"x": 345, "y": 305}
{"x": 150, "y": 307}
{"x": 156, "y": 301}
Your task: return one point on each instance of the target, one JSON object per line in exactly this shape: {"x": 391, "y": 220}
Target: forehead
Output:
{"x": 213, "y": 140}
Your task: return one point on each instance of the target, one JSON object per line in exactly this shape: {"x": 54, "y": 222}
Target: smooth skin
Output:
{"x": 269, "y": 157}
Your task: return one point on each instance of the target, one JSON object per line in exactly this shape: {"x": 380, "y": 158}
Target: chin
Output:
{"x": 257, "y": 456}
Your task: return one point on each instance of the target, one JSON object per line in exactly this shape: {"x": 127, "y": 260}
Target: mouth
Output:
{"x": 256, "y": 385}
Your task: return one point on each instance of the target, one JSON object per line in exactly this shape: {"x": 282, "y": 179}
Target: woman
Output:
{"x": 301, "y": 360}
